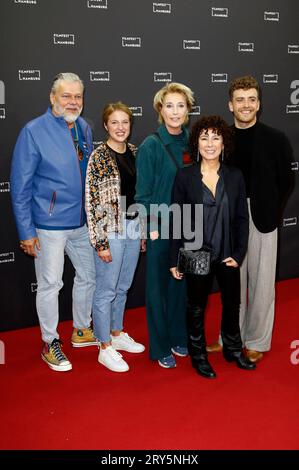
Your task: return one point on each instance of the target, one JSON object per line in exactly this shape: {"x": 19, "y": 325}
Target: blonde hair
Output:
{"x": 118, "y": 106}
{"x": 173, "y": 87}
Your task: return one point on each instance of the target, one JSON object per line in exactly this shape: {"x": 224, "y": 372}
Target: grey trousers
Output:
{"x": 258, "y": 275}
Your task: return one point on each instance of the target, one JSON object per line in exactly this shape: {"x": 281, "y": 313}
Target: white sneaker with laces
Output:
{"x": 124, "y": 342}
{"x": 112, "y": 360}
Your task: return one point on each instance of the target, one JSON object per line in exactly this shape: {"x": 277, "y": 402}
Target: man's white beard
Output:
{"x": 70, "y": 118}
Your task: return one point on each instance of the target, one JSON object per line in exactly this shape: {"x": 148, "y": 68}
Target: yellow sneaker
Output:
{"x": 52, "y": 354}
{"x": 83, "y": 337}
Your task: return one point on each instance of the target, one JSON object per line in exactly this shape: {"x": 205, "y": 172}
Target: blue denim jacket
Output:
{"x": 46, "y": 180}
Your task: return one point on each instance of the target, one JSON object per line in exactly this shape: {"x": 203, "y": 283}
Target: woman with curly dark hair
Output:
{"x": 220, "y": 189}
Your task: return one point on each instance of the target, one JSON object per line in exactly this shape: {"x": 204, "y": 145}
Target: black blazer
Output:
{"x": 271, "y": 177}
{"x": 187, "y": 189}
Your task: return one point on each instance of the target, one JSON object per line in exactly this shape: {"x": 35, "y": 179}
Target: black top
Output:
{"x": 189, "y": 189}
{"x": 243, "y": 154}
{"x": 220, "y": 243}
{"x": 126, "y": 167}
{"x": 271, "y": 176}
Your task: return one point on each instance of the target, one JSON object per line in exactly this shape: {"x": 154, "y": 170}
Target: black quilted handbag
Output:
{"x": 194, "y": 262}
{"x": 197, "y": 261}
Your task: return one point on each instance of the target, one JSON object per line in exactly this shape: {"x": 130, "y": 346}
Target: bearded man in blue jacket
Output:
{"x": 48, "y": 192}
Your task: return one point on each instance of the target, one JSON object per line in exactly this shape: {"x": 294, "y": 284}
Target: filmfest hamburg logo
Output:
{"x": 191, "y": 43}
{"x": 294, "y": 98}
{"x": 293, "y": 48}
{"x": 2, "y": 100}
{"x": 195, "y": 111}
{"x": 97, "y": 4}
{"x": 271, "y": 15}
{"x": 131, "y": 41}
{"x": 67, "y": 39}
{"x": 99, "y": 76}
{"x": 162, "y": 76}
{"x": 219, "y": 12}
{"x": 162, "y": 7}
{"x": 270, "y": 78}
{"x": 136, "y": 110}
{"x": 27, "y": 2}
{"x": 7, "y": 257}
{"x": 246, "y": 46}
{"x": 289, "y": 221}
{"x": 29, "y": 74}
{"x": 5, "y": 187}
{"x": 219, "y": 77}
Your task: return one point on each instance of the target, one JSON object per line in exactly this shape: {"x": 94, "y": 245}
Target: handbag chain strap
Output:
{"x": 167, "y": 150}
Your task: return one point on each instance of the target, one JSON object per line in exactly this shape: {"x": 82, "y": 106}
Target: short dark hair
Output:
{"x": 243, "y": 83}
{"x": 219, "y": 126}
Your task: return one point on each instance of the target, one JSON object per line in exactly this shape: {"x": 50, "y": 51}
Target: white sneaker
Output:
{"x": 112, "y": 360}
{"x": 124, "y": 342}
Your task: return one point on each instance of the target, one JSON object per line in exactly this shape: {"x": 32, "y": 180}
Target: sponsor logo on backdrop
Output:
{"x": 270, "y": 78}
{"x": 219, "y": 12}
{"x": 293, "y": 49}
{"x": 131, "y": 42}
{"x": 4, "y": 187}
{"x": 162, "y": 76}
{"x": 29, "y": 74}
{"x": 162, "y": 7}
{"x": 27, "y": 2}
{"x": 99, "y": 76}
{"x": 33, "y": 286}
{"x": 290, "y": 221}
{"x": 246, "y": 46}
{"x": 136, "y": 110}
{"x": 7, "y": 257}
{"x": 68, "y": 39}
{"x": 219, "y": 77}
{"x": 295, "y": 166}
{"x": 271, "y": 15}
{"x": 97, "y": 4}
{"x": 195, "y": 111}
{"x": 191, "y": 44}
{"x": 292, "y": 108}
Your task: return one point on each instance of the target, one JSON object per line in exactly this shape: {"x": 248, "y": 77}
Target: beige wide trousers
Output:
{"x": 257, "y": 274}
{"x": 258, "y": 289}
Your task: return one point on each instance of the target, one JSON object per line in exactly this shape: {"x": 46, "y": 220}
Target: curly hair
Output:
{"x": 243, "y": 83}
{"x": 219, "y": 126}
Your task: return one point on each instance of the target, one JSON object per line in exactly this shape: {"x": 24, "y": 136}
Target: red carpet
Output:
{"x": 150, "y": 407}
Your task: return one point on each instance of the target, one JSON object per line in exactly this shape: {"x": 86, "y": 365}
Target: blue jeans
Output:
{"x": 49, "y": 266}
{"x": 114, "y": 279}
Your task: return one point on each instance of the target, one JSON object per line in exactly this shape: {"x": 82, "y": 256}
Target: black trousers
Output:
{"x": 198, "y": 290}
